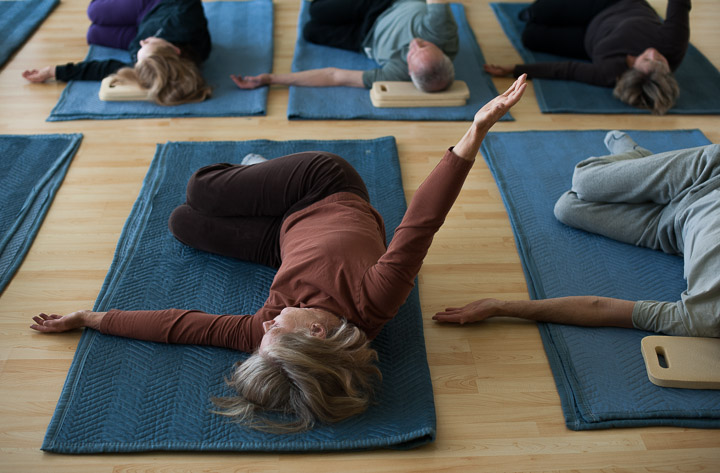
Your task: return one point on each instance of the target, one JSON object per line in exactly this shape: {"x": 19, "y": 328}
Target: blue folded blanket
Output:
{"x": 242, "y": 42}
{"x": 330, "y": 103}
{"x": 699, "y": 80}
{"x": 18, "y": 20}
{"x": 31, "y": 171}
{"x": 124, "y": 395}
{"x": 599, "y": 372}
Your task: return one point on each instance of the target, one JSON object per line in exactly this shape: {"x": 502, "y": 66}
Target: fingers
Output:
{"x": 237, "y": 79}
{"x": 45, "y": 322}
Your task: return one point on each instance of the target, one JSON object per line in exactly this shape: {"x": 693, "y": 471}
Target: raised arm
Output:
{"x": 589, "y": 311}
{"x": 326, "y": 77}
{"x": 387, "y": 284}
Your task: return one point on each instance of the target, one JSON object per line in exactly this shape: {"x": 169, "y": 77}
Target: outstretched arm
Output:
{"x": 239, "y": 332}
{"x": 588, "y": 311}
{"x": 326, "y": 77}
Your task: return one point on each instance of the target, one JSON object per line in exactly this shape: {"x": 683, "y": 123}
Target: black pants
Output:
{"x": 342, "y": 23}
{"x": 237, "y": 211}
{"x": 559, "y": 26}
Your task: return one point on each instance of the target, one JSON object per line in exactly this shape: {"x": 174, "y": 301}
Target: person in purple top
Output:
{"x": 167, "y": 41}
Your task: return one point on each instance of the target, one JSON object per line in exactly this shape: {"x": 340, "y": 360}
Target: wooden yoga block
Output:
{"x": 120, "y": 92}
{"x": 404, "y": 94}
{"x": 682, "y": 362}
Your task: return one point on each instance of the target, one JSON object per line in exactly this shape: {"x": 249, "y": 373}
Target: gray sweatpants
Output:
{"x": 669, "y": 202}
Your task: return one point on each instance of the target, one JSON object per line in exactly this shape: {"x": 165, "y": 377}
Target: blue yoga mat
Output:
{"x": 699, "y": 80}
{"x": 599, "y": 372}
{"x": 31, "y": 171}
{"x": 18, "y": 20}
{"x": 330, "y": 103}
{"x": 242, "y": 42}
{"x": 125, "y": 395}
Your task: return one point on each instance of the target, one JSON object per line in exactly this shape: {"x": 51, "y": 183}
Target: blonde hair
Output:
{"x": 169, "y": 78}
{"x": 300, "y": 379}
{"x": 656, "y": 91}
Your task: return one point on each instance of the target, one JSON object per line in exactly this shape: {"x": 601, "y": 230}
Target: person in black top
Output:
{"x": 172, "y": 40}
{"x": 630, "y": 47}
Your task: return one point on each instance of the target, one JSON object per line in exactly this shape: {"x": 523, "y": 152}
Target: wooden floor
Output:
{"x": 497, "y": 406}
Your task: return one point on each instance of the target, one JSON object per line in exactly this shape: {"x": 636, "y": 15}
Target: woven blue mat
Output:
{"x": 599, "y": 372}
{"x": 18, "y": 20}
{"x": 31, "y": 171}
{"x": 125, "y": 395}
{"x": 699, "y": 79}
{"x": 330, "y": 103}
{"x": 242, "y": 42}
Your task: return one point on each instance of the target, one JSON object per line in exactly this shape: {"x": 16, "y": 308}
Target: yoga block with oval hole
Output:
{"x": 682, "y": 362}
{"x": 404, "y": 94}
{"x": 110, "y": 92}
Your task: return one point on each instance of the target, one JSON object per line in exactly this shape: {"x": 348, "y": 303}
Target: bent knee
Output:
{"x": 181, "y": 221}
{"x": 565, "y": 207}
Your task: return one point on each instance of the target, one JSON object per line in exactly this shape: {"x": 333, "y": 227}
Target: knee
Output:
{"x": 203, "y": 186}
{"x": 310, "y": 32}
{"x": 565, "y": 207}
{"x": 181, "y": 221}
{"x": 530, "y": 35}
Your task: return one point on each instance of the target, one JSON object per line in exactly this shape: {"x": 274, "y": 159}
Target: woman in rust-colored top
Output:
{"x": 336, "y": 285}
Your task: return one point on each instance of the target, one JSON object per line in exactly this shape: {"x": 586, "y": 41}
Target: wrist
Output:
{"x": 91, "y": 319}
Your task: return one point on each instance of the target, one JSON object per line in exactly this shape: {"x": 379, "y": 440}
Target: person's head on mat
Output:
{"x": 169, "y": 78}
{"x": 430, "y": 69}
{"x": 311, "y": 366}
{"x": 648, "y": 83}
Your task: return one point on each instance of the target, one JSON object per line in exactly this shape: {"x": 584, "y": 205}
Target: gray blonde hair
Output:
{"x": 436, "y": 76}
{"x": 656, "y": 91}
{"x": 169, "y": 78}
{"x": 304, "y": 379}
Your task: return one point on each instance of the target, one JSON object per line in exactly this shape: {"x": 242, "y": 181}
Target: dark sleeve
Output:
{"x": 676, "y": 31}
{"x": 238, "y": 332}
{"x": 88, "y": 70}
{"x": 387, "y": 284}
{"x": 604, "y": 73}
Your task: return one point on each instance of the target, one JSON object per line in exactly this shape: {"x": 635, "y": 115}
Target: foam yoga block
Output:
{"x": 116, "y": 92}
{"x": 405, "y": 94}
{"x": 682, "y": 362}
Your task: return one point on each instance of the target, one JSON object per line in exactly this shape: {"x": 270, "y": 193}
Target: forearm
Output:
{"x": 469, "y": 145}
{"x": 589, "y": 311}
{"x": 88, "y": 70}
{"x": 326, "y": 77}
{"x": 185, "y": 327}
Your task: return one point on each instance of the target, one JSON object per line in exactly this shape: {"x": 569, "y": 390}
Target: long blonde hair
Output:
{"x": 169, "y": 78}
{"x": 300, "y": 379}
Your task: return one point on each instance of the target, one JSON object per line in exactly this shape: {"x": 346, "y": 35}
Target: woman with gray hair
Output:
{"x": 629, "y": 47}
{"x": 336, "y": 285}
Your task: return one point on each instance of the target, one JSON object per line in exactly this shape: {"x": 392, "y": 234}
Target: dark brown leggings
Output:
{"x": 237, "y": 211}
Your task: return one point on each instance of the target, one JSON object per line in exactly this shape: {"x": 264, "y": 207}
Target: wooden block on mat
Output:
{"x": 682, "y": 362}
{"x": 120, "y": 92}
{"x": 404, "y": 94}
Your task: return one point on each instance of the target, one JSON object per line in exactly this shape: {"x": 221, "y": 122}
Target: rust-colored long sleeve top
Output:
{"x": 333, "y": 258}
